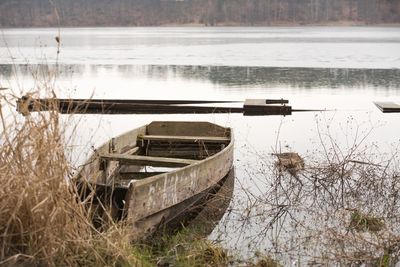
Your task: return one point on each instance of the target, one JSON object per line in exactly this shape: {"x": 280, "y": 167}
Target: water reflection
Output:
{"x": 228, "y": 77}
{"x": 216, "y": 206}
{"x": 203, "y": 216}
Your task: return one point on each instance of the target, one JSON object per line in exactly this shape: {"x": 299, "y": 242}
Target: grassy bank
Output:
{"x": 189, "y": 247}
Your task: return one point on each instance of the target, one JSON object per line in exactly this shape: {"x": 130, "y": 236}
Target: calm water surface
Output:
{"x": 339, "y": 69}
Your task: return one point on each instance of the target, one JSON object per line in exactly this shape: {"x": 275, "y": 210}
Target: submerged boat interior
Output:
{"x": 157, "y": 154}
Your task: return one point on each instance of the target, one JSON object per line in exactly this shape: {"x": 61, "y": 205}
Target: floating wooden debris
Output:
{"x": 388, "y": 107}
{"x": 290, "y": 161}
{"x": 363, "y": 222}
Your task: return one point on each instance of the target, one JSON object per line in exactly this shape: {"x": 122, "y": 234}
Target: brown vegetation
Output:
{"x": 42, "y": 223}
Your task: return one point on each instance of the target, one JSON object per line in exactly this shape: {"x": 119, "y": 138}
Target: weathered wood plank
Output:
{"x": 164, "y": 146}
{"x": 131, "y": 151}
{"x": 147, "y": 161}
{"x": 183, "y": 154}
{"x": 168, "y": 138}
{"x": 201, "y": 128}
{"x": 137, "y": 175}
{"x": 388, "y": 107}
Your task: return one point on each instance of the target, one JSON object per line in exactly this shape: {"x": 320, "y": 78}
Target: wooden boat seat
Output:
{"x": 147, "y": 161}
{"x": 169, "y": 138}
{"x": 125, "y": 178}
{"x": 137, "y": 175}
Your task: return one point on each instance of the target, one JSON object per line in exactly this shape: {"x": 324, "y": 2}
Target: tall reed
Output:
{"x": 42, "y": 222}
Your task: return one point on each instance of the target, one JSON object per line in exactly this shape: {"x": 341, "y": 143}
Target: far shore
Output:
{"x": 227, "y": 25}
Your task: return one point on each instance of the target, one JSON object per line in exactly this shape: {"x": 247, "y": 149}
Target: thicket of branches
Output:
{"x": 342, "y": 206}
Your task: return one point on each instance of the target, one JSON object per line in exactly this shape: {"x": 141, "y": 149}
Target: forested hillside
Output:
{"x": 38, "y": 13}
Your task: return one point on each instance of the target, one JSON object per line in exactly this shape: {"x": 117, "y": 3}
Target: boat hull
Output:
{"x": 201, "y": 212}
{"x": 155, "y": 199}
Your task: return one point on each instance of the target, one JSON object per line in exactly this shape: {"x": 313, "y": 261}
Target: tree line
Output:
{"x": 45, "y": 13}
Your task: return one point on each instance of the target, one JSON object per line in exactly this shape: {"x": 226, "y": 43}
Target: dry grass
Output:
{"x": 42, "y": 222}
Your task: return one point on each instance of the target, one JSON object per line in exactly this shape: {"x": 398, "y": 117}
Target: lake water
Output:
{"x": 340, "y": 69}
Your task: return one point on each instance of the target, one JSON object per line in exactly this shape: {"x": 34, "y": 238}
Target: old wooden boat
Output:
{"x": 154, "y": 173}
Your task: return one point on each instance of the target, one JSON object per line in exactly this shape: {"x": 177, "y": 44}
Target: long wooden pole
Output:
{"x": 82, "y": 101}
{"x": 25, "y": 105}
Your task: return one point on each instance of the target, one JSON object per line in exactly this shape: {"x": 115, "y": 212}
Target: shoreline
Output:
{"x": 222, "y": 25}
